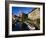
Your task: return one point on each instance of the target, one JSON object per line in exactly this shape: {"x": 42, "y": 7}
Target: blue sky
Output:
{"x": 17, "y": 10}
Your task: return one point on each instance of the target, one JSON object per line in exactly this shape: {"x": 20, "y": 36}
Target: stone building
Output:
{"x": 34, "y": 16}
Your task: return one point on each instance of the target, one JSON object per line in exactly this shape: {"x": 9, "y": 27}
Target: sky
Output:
{"x": 18, "y": 10}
